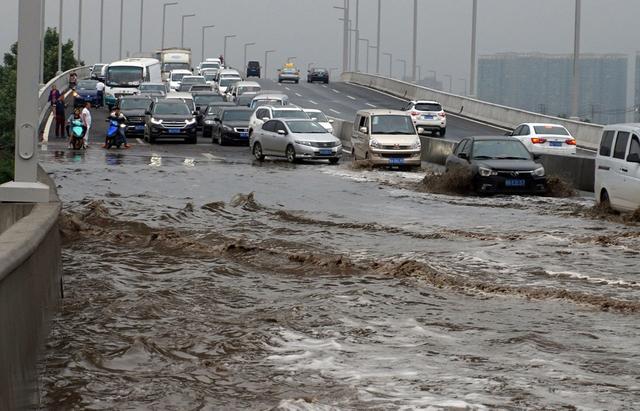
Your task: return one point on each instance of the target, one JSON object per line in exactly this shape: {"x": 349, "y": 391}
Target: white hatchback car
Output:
{"x": 617, "y": 181}
{"x": 319, "y": 116}
{"x": 176, "y": 76}
{"x": 428, "y": 115}
{"x": 545, "y": 138}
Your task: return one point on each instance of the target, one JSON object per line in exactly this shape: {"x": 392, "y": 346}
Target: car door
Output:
{"x": 280, "y": 141}
{"x": 604, "y": 171}
{"x": 462, "y": 154}
{"x": 361, "y": 139}
{"x": 620, "y": 169}
{"x": 267, "y": 136}
{"x": 632, "y": 181}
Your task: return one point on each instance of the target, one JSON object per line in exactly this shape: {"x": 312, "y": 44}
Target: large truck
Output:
{"x": 174, "y": 59}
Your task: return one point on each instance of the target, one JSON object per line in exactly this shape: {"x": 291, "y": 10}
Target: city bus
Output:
{"x": 124, "y": 77}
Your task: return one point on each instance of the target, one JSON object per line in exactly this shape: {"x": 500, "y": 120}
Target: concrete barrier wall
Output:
{"x": 587, "y": 135}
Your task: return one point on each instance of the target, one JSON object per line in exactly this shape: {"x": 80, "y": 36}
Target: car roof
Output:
{"x": 274, "y": 96}
{"x": 181, "y": 71}
{"x": 381, "y": 111}
{"x": 170, "y": 100}
{"x": 425, "y": 102}
{"x": 623, "y": 126}
{"x": 286, "y": 108}
{"x": 542, "y": 125}
{"x": 205, "y": 93}
{"x": 490, "y": 138}
{"x": 233, "y": 107}
{"x": 178, "y": 95}
{"x": 248, "y": 83}
{"x": 136, "y": 96}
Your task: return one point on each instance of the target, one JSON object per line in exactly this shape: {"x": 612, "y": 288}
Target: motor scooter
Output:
{"x": 115, "y": 134}
{"x": 77, "y": 130}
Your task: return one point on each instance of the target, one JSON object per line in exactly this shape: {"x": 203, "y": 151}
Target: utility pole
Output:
{"x": 575, "y": 84}
{"x": 357, "y": 43}
{"x": 203, "y": 29}
{"x": 266, "y": 61}
{"x": 474, "y": 42}
{"x": 378, "y": 39}
{"x": 101, "y": 29}
{"x": 121, "y": 28}
{"x": 60, "y": 39}
{"x": 164, "y": 19}
{"x": 79, "y": 30}
{"x": 414, "y": 55}
{"x": 184, "y": 16}
{"x": 141, "y": 24}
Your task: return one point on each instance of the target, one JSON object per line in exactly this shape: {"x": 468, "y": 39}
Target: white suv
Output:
{"x": 545, "y": 138}
{"x": 617, "y": 181}
{"x": 428, "y": 115}
{"x": 263, "y": 114}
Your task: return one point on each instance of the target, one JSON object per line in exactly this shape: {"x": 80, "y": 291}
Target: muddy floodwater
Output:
{"x": 226, "y": 285}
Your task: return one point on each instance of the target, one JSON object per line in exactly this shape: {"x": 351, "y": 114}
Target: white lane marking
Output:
{"x": 335, "y": 91}
{"x": 351, "y": 97}
{"x": 325, "y": 86}
{"x": 212, "y": 157}
{"x": 313, "y": 102}
{"x": 334, "y": 111}
{"x": 141, "y": 141}
{"x": 371, "y": 105}
{"x": 287, "y": 88}
{"x": 298, "y": 94}
{"x": 47, "y": 128}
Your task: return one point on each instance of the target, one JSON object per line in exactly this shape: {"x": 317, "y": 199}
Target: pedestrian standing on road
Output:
{"x": 100, "y": 87}
{"x": 60, "y": 117}
{"x": 86, "y": 120}
{"x": 54, "y": 95}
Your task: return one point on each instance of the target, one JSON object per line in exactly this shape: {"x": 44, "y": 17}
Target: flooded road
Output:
{"x": 196, "y": 279}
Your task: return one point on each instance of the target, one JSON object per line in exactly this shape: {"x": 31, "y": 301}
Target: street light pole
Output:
{"x": 121, "y": 28}
{"x": 357, "y": 43}
{"x": 474, "y": 42}
{"x": 390, "y": 55}
{"x": 224, "y": 54}
{"x": 184, "y": 16}
{"x": 79, "y": 30}
{"x": 345, "y": 35}
{"x": 414, "y": 55}
{"x": 164, "y": 19}
{"x": 101, "y": 29}
{"x": 266, "y": 61}
{"x": 60, "y": 39}
{"x": 245, "y": 53}
{"x": 42, "y": 31}
{"x": 203, "y": 29}
{"x": 575, "y": 84}
{"x": 404, "y": 68}
{"x": 141, "y": 24}
{"x": 378, "y": 39}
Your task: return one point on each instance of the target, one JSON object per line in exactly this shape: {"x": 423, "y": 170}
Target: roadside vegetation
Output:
{"x": 8, "y": 71}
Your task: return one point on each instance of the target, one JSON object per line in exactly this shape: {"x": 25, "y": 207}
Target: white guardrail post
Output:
{"x": 26, "y": 188}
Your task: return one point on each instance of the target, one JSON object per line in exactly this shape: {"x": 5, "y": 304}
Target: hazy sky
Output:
{"x": 310, "y": 30}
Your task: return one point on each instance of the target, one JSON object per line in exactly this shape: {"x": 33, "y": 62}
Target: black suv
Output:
{"x": 134, "y": 109}
{"x": 253, "y": 69}
{"x": 170, "y": 119}
{"x": 318, "y": 74}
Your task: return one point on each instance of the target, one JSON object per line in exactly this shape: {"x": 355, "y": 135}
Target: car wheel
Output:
{"x": 334, "y": 160}
{"x": 290, "y": 153}
{"x": 605, "y": 202}
{"x": 443, "y": 131}
{"x": 257, "y": 152}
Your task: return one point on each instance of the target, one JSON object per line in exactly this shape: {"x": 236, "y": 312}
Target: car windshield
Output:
{"x": 178, "y": 76}
{"x": 254, "y": 64}
{"x": 256, "y": 103}
{"x": 153, "y": 87}
{"x": 500, "y": 149}
{"x": 87, "y": 85}
{"x": 193, "y": 80}
{"x": 175, "y": 66}
{"x": 392, "y": 124}
{"x": 551, "y": 130}
{"x": 171, "y": 109}
{"x": 134, "y": 104}
{"x": 428, "y": 107}
{"x": 289, "y": 114}
{"x": 318, "y": 116}
{"x": 307, "y": 127}
{"x": 124, "y": 76}
{"x": 226, "y": 82}
{"x": 206, "y": 100}
{"x": 236, "y": 115}
{"x": 210, "y": 76}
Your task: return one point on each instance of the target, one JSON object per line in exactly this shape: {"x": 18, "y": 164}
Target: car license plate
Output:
{"x": 244, "y": 135}
{"x": 139, "y": 128}
{"x": 427, "y": 117}
{"x": 174, "y": 131}
{"x": 325, "y": 152}
{"x": 555, "y": 143}
{"x": 396, "y": 161}
{"x": 515, "y": 183}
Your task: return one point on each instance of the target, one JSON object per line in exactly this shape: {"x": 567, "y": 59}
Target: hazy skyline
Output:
{"x": 310, "y": 30}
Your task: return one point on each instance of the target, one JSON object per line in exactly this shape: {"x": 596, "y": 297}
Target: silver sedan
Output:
{"x": 295, "y": 140}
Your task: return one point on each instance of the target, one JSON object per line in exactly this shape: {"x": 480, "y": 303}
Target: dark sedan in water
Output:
{"x": 498, "y": 165}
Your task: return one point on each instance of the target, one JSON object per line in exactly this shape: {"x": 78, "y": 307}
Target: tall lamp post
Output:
{"x": 266, "y": 62}
{"x": 184, "y": 16}
{"x": 164, "y": 18}
{"x": 203, "y": 30}
{"x": 224, "y": 54}
{"x": 356, "y": 60}
{"x": 474, "y": 42}
{"x": 101, "y": 47}
{"x": 80, "y": 30}
{"x": 390, "y": 63}
{"x": 60, "y": 21}
{"x": 345, "y": 38}
{"x": 575, "y": 83}
{"x": 378, "y": 37}
{"x": 141, "y": 24}
{"x": 121, "y": 29}
{"x": 245, "y": 54}
{"x": 414, "y": 54}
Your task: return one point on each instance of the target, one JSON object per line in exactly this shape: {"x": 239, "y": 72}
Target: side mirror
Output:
{"x": 314, "y": 118}
{"x": 364, "y": 130}
{"x": 633, "y": 158}
{"x": 265, "y": 119}
{"x": 420, "y": 130}
{"x": 331, "y": 121}
{"x": 537, "y": 157}
{"x": 509, "y": 134}
{"x": 217, "y": 120}
{"x": 463, "y": 156}
{"x": 282, "y": 132}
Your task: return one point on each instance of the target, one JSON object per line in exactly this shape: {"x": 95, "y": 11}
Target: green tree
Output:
{"x": 51, "y": 55}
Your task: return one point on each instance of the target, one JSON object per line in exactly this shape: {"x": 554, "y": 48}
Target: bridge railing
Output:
{"x": 62, "y": 83}
{"x": 587, "y": 135}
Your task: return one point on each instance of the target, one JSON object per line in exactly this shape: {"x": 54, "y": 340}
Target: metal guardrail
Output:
{"x": 587, "y": 135}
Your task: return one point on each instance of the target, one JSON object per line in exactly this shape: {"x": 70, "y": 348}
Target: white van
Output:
{"x": 617, "y": 181}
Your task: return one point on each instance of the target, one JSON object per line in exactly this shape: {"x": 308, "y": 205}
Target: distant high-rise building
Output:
{"x": 542, "y": 83}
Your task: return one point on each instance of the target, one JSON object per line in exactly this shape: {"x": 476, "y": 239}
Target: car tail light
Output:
{"x": 415, "y": 113}
{"x": 538, "y": 140}
{"x": 442, "y": 114}
{"x": 571, "y": 142}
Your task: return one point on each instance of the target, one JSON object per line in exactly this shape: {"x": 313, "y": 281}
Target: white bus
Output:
{"x": 124, "y": 77}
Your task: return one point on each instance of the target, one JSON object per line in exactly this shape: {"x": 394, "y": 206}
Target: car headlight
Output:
{"x": 154, "y": 121}
{"x": 374, "y": 143}
{"x": 208, "y": 122}
{"x": 304, "y": 143}
{"x": 190, "y": 122}
{"x": 538, "y": 172}
{"x": 487, "y": 172}
{"x": 416, "y": 144}
{"x": 227, "y": 128}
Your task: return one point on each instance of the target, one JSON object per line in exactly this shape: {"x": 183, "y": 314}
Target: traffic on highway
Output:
{"x": 270, "y": 240}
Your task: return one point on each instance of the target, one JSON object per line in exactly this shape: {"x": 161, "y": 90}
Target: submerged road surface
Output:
{"x": 196, "y": 278}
